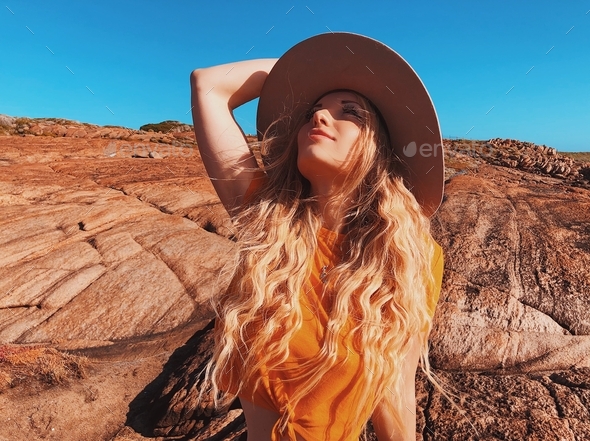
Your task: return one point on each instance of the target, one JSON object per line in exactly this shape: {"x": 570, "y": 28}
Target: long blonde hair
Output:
{"x": 381, "y": 279}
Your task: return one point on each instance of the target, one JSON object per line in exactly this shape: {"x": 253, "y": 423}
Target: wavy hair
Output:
{"x": 381, "y": 280}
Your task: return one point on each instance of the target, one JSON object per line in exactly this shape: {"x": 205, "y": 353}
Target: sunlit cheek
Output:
{"x": 302, "y": 138}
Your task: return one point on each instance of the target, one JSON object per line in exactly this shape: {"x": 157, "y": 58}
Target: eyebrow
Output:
{"x": 341, "y": 102}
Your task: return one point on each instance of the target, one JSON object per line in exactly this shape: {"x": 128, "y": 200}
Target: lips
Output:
{"x": 319, "y": 132}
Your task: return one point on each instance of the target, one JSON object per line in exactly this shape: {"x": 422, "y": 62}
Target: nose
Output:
{"x": 321, "y": 116}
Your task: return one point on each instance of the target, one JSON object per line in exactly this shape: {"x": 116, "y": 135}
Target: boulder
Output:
{"x": 7, "y": 121}
{"x": 59, "y": 130}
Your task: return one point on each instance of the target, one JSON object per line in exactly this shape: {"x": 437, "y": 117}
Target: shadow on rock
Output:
{"x": 169, "y": 405}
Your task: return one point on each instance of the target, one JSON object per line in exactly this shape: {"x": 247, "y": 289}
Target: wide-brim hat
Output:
{"x": 342, "y": 60}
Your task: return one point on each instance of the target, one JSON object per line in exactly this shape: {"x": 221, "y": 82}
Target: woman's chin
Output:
{"x": 311, "y": 167}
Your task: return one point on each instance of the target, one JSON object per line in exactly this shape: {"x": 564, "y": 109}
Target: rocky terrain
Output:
{"x": 113, "y": 240}
{"x": 176, "y": 134}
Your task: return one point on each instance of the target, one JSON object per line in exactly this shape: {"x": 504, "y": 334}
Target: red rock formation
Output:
{"x": 107, "y": 249}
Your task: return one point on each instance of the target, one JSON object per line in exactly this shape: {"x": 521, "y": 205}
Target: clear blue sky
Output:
{"x": 72, "y": 59}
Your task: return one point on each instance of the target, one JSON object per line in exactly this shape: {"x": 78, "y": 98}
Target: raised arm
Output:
{"x": 215, "y": 92}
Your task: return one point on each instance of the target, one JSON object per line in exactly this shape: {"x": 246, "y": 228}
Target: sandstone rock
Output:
{"x": 95, "y": 133}
{"x": 180, "y": 135}
{"x": 86, "y": 262}
{"x": 548, "y": 168}
{"x": 70, "y": 131}
{"x": 140, "y": 153}
{"x": 59, "y": 130}
{"x": 531, "y": 406}
{"x": 140, "y": 137}
{"x": 38, "y": 129}
{"x": 155, "y": 155}
{"x": 516, "y": 300}
{"x": 535, "y": 158}
{"x": 115, "y": 247}
{"x": 136, "y": 312}
{"x": 203, "y": 209}
{"x": 174, "y": 408}
{"x": 7, "y": 121}
{"x": 184, "y": 135}
{"x": 111, "y": 252}
{"x": 79, "y": 133}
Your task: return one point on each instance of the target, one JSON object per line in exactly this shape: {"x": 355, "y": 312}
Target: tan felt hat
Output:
{"x": 343, "y": 60}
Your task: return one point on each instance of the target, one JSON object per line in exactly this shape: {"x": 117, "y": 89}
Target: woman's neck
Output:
{"x": 332, "y": 206}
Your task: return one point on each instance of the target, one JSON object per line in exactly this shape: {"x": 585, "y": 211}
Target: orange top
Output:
{"x": 324, "y": 413}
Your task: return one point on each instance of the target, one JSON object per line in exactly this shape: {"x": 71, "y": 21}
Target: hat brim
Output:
{"x": 350, "y": 61}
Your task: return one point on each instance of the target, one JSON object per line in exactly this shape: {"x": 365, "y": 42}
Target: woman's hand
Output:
{"x": 215, "y": 92}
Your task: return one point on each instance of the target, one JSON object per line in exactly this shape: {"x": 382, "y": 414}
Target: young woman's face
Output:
{"x": 326, "y": 143}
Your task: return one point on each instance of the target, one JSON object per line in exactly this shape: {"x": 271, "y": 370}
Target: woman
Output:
{"x": 338, "y": 276}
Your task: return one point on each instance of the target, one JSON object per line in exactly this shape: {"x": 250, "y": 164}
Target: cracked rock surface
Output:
{"x": 516, "y": 282}
{"x": 115, "y": 257}
{"x": 97, "y": 250}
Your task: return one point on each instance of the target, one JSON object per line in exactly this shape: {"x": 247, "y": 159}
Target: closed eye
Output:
{"x": 355, "y": 111}
{"x": 309, "y": 114}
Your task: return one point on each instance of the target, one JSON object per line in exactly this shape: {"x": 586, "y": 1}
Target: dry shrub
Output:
{"x": 47, "y": 365}
{"x": 579, "y": 156}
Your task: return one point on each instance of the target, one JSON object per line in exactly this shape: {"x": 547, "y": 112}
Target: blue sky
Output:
{"x": 128, "y": 63}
